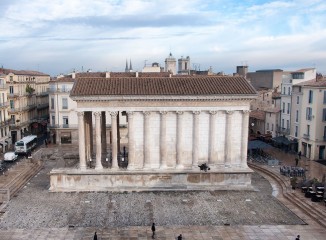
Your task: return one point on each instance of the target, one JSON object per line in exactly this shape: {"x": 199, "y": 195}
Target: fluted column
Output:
{"x": 228, "y": 137}
{"x": 81, "y": 140}
{"x": 212, "y": 138}
{"x": 114, "y": 140}
{"x": 163, "y": 142}
{"x": 131, "y": 141}
{"x": 147, "y": 140}
{"x": 179, "y": 140}
{"x": 195, "y": 144}
{"x": 244, "y": 140}
{"x": 98, "y": 163}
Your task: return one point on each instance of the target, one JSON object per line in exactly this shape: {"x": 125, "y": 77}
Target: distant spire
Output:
{"x": 130, "y": 66}
{"x": 126, "y": 69}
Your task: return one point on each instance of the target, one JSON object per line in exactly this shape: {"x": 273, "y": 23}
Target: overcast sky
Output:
{"x": 58, "y": 36}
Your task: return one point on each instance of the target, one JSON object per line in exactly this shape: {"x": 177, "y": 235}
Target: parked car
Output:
{"x": 10, "y": 156}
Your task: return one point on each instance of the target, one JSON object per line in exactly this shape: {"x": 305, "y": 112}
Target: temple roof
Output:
{"x": 182, "y": 86}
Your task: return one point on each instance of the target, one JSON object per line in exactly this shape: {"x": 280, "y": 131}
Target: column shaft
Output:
{"x": 163, "y": 142}
{"x": 81, "y": 140}
{"x": 212, "y": 138}
{"x": 244, "y": 140}
{"x": 131, "y": 141}
{"x": 114, "y": 140}
{"x": 179, "y": 140}
{"x": 228, "y": 136}
{"x": 147, "y": 140}
{"x": 98, "y": 164}
{"x": 195, "y": 145}
{"x": 103, "y": 133}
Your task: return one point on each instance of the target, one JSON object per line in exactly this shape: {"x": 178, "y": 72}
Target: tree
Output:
{"x": 29, "y": 89}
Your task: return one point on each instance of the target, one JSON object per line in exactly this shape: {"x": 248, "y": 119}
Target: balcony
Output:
{"x": 283, "y": 131}
{"x": 4, "y": 105}
{"x": 3, "y": 86}
{"x": 13, "y": 95}
{"x": 306, "y": 136}
{"x": 18, "y": 125}
{"x": 5, "y": 122}
{"x": 22, "y": 109}
{"x": 63, "y": 126}
{"x": 42, "y": 94}
{"x": 59, "y": 90}
{"x": 43, "y": 105}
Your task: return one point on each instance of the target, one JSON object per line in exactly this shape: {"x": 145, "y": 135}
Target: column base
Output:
{"x": 99, "y": 167}
{"x": 163, "y": 166}
{"x": 179, "y": 166}
{"x": 82, "y": 168}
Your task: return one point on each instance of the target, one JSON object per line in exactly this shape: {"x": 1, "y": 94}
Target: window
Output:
{"x": 324, "y": 115}
{"x": 289, "y": 91}
{"x": 296, "y": 131}
{"x": 324, "y": 97}
{"x": 52, "y": 103}
{"x": 53, "y": 120}
{"x": 310, "y": 96}
{"x": 282, "y": 123}
{"x": 308, "y": 113}
{"x": 298, "y": 99}
{"x": 65, "y": 121}
{"x": 324, "y": 133}
{"x": 65, "y": 137}
{"x": 272, "y": 126}
{"x": 270, "y": 114}
{"x": 288, "y": 110}
{"x": 283, "y": 90}
{"x": 11, "y": 89}
{"x": 64, "y": 103}
{"x": 287, "y": 124}
{"x": 283, "y": 109}
{"x": 11, "y": 78}
{"x": 12, "y": 104}
{"x": 296, "y": 116}
{"x": 308, "y": 130}
{"x": 267, "y": 126}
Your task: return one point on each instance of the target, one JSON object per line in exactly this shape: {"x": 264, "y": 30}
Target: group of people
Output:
{"x": 290, "y": 171}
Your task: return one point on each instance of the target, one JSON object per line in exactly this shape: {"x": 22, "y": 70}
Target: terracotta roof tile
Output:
{"x": 208, "y": 85}
{"x": 23, "y": 72}
{"x": 257, "y": 114}
{"x": 314, "y": 83}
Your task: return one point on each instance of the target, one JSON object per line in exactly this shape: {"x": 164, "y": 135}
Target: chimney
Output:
{"x": 107, "y": 75}
{"x": 137, "y": 74}
{"x": 73, "y": 75}
{"x": 170, "y": 75}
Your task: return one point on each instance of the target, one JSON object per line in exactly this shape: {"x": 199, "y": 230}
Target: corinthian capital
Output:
{"x": 113, "y": 114}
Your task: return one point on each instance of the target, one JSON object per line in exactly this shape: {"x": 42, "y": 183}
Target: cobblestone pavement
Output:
{"x": 37, "y": 214}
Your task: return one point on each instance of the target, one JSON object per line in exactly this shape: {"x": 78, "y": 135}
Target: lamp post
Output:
{"x": 107, "y": 162}
{"x": 90, "y": 163}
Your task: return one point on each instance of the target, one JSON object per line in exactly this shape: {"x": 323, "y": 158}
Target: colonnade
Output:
{"x": 142, "y": 159}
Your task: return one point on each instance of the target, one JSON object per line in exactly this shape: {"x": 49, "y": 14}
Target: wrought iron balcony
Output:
{"x": 306, "y": 136}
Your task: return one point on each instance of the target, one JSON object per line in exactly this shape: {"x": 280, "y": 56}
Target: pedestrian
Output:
{"x": 95, "y": 236}
{"x": 179, "y": 237}
{"x": 296, "y": 162}
{"x": 153, "y": 230}
{"x": 299, "y": 154}
{"x": 298, "y": 237}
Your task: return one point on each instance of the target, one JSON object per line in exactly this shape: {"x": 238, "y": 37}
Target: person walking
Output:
{"x": 298, "y": 237}
{"x": 95, "y": 236}
{"x": 153, "y": 230}
{"x": 179, "y": 237}
{"x": 296, "y": 162}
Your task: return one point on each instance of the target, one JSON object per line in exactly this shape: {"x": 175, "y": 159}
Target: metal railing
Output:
{"x": 21, "y": 109}
{"x": 4, "y": 104}
{"x": 63, "y": 126}
{"x": 42, "y": 105}
{"x": 306, "y": 136}
{"x": 59, "y": 90}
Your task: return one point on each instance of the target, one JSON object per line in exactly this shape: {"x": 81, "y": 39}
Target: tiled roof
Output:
{"x": 192, "y": 85}
{"x": 90, "y": 74}
{"x": 22, "y": 72}
{"x": 257, "y": 114}
{"x": 63, "y": 79}
{"x": 314, "y": 83}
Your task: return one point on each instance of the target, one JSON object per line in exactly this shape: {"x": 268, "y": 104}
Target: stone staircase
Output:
{"x": 316, "y": 211}
{"x": 16, "y": 177}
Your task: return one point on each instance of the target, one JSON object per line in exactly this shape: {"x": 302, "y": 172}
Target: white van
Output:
{"x": 10, "y": 156}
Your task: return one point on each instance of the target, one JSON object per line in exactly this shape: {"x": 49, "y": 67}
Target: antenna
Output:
{"x": 145, "y": 61}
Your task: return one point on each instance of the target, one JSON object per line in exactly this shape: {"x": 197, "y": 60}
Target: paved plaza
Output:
{"x": 36, "y": 213}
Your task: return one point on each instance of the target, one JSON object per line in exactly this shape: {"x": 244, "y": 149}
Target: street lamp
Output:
{"x": 107, "y": 162}
{"x": 90, "y": 163}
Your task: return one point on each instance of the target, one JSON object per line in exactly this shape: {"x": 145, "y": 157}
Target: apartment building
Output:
{"x": 62, "y": 109}
{"x": 5, "y": 138}
{"x": 289, "y": 79}
{"x": 27, "y": 97}
{"x": 309, "y": 124}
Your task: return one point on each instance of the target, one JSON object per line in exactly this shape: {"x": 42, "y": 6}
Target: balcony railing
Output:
{"x": 5, "y": 122}
{"x": 306, "y": 136}
{"x": 4, "y": 105}
{"x": 18, "y": 125}
{"x": 285, "y": 131}
{"x": 13, "y": 95}
{"x": 43, "y": 105}
{"x": 63, "y": 126}
{"x": 42, "y": 94}
{"x": 3, "y": 86}
{"x": 59, "y": 90}
{"x": 15, "y": 110}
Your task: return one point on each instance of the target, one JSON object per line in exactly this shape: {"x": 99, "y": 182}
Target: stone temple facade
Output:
{"x": 174, "y": 125}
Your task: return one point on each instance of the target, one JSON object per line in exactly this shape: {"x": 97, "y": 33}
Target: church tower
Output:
{"x": 128, "y": 69}
{"x": 184, "y": 66}
{"x": 171, "y": 64}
